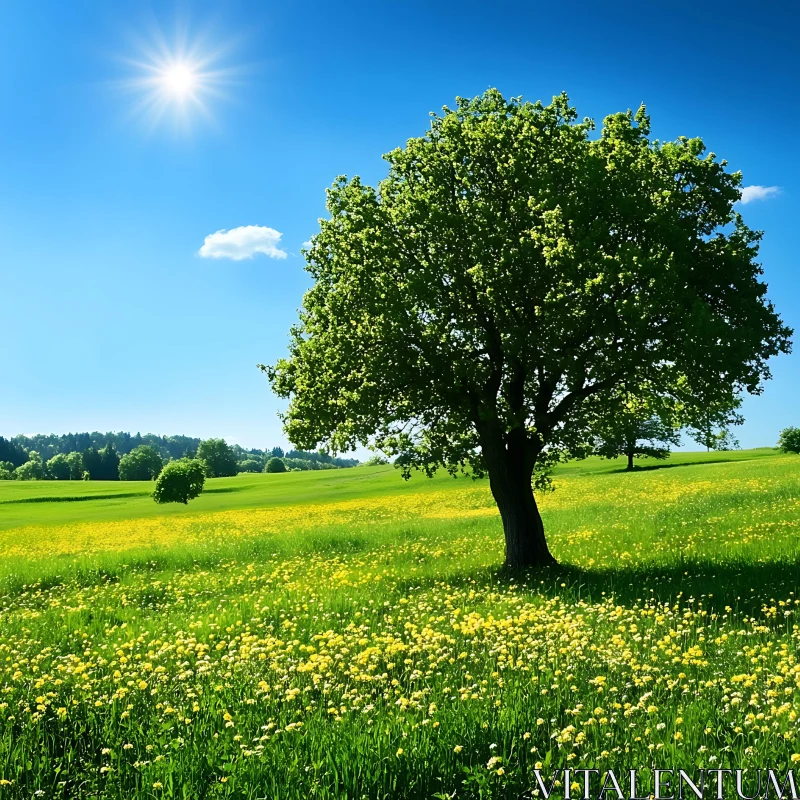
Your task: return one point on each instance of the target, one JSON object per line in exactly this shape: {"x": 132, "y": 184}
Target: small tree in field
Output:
{"x": 635, "y": 429}
{"x": 486, "y": 303}
{"x": 710, "y": 426}
{"x": 180, "y": 481}
{"x": 275, "y": 464}
{"x": 789, "y": 440}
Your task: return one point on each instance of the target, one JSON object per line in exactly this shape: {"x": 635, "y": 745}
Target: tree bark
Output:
{"x": 510, "y": 471}
{"x": 526, "y": 545}
{"x": 630, "y": 460}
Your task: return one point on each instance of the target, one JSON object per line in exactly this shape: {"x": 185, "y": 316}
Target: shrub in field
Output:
{"x": 789, "y": 440}
{"x": 6, "y": 471}
{"x": 219, "y": 457}
{"x": 180, "y": 481}
{"x": 143, "y": 463}
{"x": 275, "y": 464}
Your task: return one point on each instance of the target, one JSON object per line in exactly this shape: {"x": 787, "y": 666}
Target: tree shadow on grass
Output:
{"x": 743, "y": 586}
{"x": 650, "y": 467}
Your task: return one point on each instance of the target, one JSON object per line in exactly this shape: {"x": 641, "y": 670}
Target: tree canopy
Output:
{"x": 483, "y": 306}
{"x": 710, "y": 425}
{"x": 33, "y": 469}
{"x": 789, "y": 440}
{"x": 59, "y": 468}
{"x": 219, "y": 458}
{"x": 180, "y": 481}
{"x": 636, "y": 428}
{"x": 143, "y": 463}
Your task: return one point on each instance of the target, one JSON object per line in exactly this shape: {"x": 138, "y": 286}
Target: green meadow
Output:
{"x": 346, "y": 634}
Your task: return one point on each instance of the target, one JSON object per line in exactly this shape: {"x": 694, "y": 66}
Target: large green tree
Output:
{"x": 219, "y": 458}
{"x": 486, "y": 302}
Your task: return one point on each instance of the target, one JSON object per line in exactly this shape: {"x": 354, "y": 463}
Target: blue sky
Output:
{"x": 111, "y": 318}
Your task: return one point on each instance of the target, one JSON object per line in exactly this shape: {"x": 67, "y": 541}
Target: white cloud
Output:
{"x": 750, "y": 193}
{"x": 306, "y": 245}
{"x": 242, "y": 242}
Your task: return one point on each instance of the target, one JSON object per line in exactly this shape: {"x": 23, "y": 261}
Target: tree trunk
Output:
{"x": 630, "y": 460}
{"x": 526, "y": 545}
{"x": 510, "y": 471}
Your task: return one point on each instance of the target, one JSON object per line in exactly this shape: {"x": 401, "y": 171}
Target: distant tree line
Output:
{"x": 122, "y": 456}
{"x": 50, "y": 444}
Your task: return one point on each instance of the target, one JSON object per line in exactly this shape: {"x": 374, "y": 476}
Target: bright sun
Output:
{"x": 179, "y": 79}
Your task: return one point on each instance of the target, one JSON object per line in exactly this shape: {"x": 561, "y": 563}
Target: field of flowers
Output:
{"x": 371, "y": 648}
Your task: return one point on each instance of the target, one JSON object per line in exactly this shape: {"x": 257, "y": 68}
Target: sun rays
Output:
{"x": 177, "y": 82}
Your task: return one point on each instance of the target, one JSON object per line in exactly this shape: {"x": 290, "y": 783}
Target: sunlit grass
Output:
{"x": 369, "y": 646}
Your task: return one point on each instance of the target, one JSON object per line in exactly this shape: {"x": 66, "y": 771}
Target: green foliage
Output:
{"x": 275, "y": 464}
{"x": 15, "y": 452}
{"x": 635, "y": 427}
{"x": 320, "y": 459}
{"x": 710, "y": 425}
{"x": 33, "y": 469}
{"x": 102, "y": 465}
{"x": 76, "y": 470}
{"x": 219, "y": 458}
{"x": 180, "y": 481}
{"x": 12, "y": 452}
{"x": 485, "y": 304}
{"x": 789, "y": 440}
{"x": 143, "y": 463}
{"x": 92, "y": 465}
{"x": 250, "y": 465}
{"x": 6, "y": 471}
{"x": 725, "y": 440}
{"x": 51, "y": 444}
{"x": 109, "y": 460}
{"x": 58, "y": 468}
{"x": 376, "y": 460}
